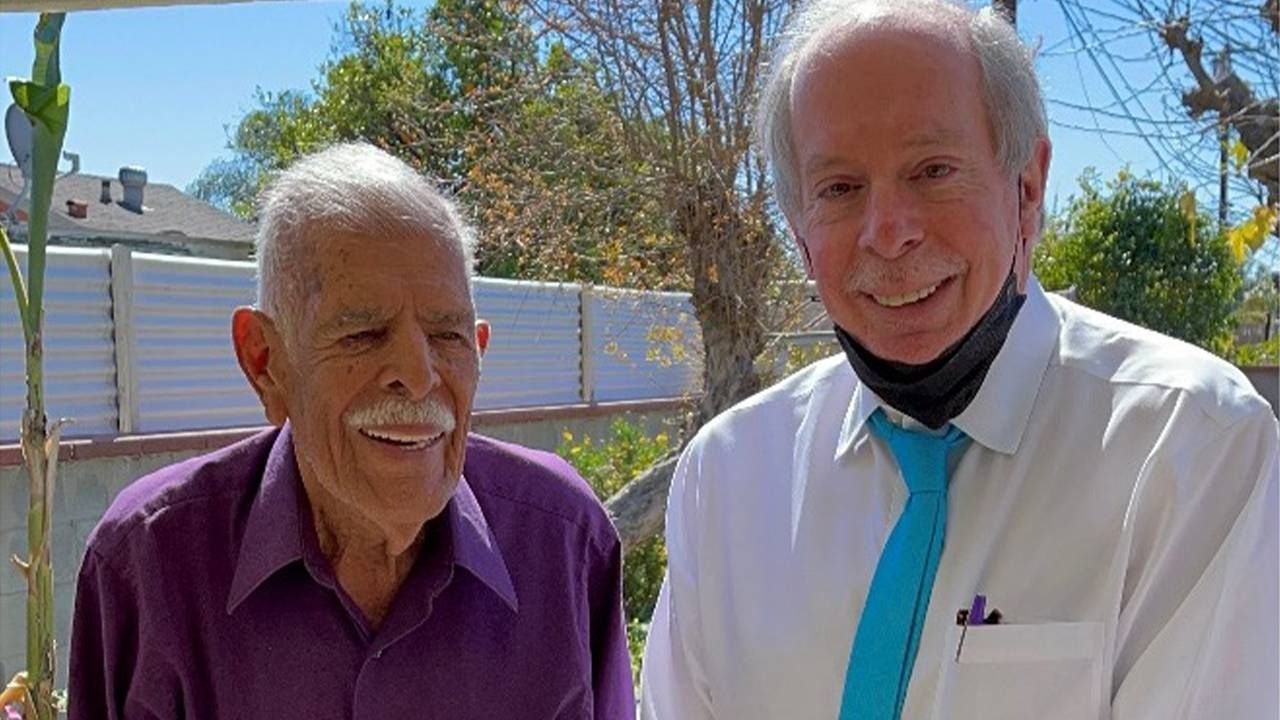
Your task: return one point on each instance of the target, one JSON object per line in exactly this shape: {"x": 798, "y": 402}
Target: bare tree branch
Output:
{"x": 638, "y": 509}
{"x": 1256, "y": 121}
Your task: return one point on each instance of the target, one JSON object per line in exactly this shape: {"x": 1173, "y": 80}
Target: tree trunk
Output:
{"x": 732, "y": 256}
{"x": 638, "y": 508}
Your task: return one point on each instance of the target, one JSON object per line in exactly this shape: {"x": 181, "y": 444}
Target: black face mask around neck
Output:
{"x": 942, "y": 388}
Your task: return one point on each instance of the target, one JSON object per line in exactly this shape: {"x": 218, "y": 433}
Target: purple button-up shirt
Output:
{"x": 204, "y": 594}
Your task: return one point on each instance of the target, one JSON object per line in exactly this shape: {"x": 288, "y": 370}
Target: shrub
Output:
{"x": 608, "y": 465}
{"x": 1142, "y": 252}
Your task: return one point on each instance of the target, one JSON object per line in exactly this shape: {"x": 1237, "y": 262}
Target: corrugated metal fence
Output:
{"x": 79, "y": 370}
{"x": 534, "y": 354}
{"x": 185, "y": 373}
{"x": 141, "y": 343}
{"x": 641, "y": 343}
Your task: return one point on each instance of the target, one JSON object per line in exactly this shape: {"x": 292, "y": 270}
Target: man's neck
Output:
{"x": 368, "y": 562}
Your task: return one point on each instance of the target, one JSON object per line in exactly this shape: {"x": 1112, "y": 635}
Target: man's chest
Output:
{"x": 294, "y": 652}
{"x": 782, "y": 593}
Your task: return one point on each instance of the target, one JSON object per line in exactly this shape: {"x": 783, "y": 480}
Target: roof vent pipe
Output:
{"x": 134, "y": 179}
{"x": 106, "y": 191}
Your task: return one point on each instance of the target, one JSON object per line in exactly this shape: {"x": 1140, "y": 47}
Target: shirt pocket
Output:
{"x": 1049, "y": 671}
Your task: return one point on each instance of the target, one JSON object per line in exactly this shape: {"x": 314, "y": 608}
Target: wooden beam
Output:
{"x": 74, "y": 5}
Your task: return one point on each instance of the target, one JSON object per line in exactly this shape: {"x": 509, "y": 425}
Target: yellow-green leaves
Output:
{"x": 1187, "y": 204}
{"x": 1250, "y": 234}
{"x": 48, "y": 107}
{"x": 1239, "y": 153}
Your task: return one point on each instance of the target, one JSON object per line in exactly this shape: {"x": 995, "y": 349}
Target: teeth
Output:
{"x": 411, "y": 441}
{"x": 900, "y": 300}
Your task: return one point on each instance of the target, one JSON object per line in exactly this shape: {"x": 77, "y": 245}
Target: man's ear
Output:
{"x": 803, "y": 247}
{"x": 1032, "y": 182}
{"x": 256, "y": 339}
{"x": 804, "y": 253}
{"x": 482, "y": 335}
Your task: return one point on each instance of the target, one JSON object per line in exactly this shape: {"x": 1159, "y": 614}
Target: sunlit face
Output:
{"x": 381, "y": 375}
{"x": 909, "y": 223}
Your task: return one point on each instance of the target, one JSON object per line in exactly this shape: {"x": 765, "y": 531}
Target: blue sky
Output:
{"x": 158, "y": 87}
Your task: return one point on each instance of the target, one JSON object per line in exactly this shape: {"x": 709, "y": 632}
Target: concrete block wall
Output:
{"x": 82, "y": 494}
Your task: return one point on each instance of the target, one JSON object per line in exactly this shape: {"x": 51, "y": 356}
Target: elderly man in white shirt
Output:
{"x": 996, "y": 504}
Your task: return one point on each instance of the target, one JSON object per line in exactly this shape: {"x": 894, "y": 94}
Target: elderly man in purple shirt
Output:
{"x": 367, "y": 558}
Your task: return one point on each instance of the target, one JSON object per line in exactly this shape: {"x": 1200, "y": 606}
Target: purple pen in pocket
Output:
{"x": 978, "y": 611}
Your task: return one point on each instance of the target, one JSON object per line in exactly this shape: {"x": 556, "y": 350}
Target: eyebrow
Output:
{"x": 351, "y": 318}
{"x": 818, "y": 163}
{"x": 444, "y": 318}
{"x": 927, "y": 139}
{"x": 932, "y": 138}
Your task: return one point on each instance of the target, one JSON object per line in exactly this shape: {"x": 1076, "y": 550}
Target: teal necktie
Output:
{"x": 884, "y": 648}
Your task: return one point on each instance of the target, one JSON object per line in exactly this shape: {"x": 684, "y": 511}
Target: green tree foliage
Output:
{"x": 1266, "y": 352}
{"x": 521, "y": 132}
{"x": 1141, "y": 251}
{"x": 1260, "y": 309}
{"x": 608, "y": 465}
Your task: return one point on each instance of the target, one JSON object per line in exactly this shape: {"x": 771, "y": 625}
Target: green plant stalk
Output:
{"x": 45, "y": 100}
{"x": 47, "y": 108}
{"x": 15, "y": 278}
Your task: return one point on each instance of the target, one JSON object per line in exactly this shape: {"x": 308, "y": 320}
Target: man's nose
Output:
{"x": 893, "y": 225}
{"x": 410, "y": 367}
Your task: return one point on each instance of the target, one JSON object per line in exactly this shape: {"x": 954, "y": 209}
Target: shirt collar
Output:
{"x": 999, "y": 413}
{"x": 273, "y": 539}
{"x": 474, "y": 546}
{"x": 271, "y": 536}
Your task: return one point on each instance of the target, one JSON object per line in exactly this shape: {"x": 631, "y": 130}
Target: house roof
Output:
{"x": 167, "y": 211}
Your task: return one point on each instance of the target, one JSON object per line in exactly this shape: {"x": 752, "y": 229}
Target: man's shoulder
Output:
{"x": 525, "y": 480}
{"x": 1128, "y": 356}
{"x": 188, "y": 486}
{"x": 778, "y": 410}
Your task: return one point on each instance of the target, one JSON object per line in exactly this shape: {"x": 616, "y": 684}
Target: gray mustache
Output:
{"x": 398, "y": 411}
{"x": 869, "y": 276}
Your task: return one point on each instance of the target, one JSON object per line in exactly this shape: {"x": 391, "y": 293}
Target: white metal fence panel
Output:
{"x": 643, "y": 345}
{"x": 184, "y": 363}
{"x": 534, "y": 354}
{"x": 79, "y": 365}
{"x": 178, "y": 369}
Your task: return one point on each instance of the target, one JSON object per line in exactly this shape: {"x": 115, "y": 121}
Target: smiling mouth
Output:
{"x": 406, "y": 441}
{"x": 897, "y": 301}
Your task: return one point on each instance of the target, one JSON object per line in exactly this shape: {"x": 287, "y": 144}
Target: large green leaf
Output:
{"x": 47, "y": 102}
{"x": 49, "y": 109}
{"x": 45, "y": 105}
{"x": 47, "y": 70}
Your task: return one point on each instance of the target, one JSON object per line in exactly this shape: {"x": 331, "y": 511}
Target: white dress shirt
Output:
{"x": 1118, "y": 505}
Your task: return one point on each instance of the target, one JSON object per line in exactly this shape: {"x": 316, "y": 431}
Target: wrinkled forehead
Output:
{"x": 933, "y": 28}
{"x": 401, "y": 250}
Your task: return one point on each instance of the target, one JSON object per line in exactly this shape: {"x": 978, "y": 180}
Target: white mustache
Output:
{"x": 872, "y": 275}
{"x": 398, "y": 411}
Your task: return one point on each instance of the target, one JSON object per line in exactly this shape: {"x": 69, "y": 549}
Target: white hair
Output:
{"x": 1010, "y": 90}
{"x": 348, "y": 188}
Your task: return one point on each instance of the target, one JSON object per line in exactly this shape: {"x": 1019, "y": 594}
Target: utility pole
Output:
{"x": 1007, "y": 8}
{"x": 1221, "y": 70}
